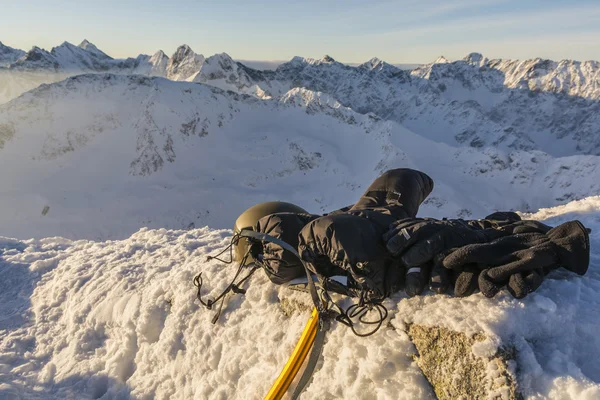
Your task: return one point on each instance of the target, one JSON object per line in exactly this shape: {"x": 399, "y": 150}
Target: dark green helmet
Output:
{"x": 249, "y": 218}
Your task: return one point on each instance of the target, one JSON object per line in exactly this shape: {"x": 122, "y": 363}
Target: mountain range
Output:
{"x": 187, "y": 134}
{"x": 475, "y": 101}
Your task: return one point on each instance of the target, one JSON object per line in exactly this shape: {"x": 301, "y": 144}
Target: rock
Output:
{"x": 448, "y": 361}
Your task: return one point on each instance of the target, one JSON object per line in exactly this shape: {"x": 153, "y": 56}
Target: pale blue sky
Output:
{"x": 398, "y": 31}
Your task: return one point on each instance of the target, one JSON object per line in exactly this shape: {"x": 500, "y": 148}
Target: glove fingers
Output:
{"x": 527, "y": 260}
{"x": 521, "y": 284}
{"x": 466, "y": 281}
{"x": 416, "y": 279}
{"x": 494, "y": 253}
{"x": 534, "y": 279}
{"x": 488, "y": 287}
{"x": 470, "y": 254}
{"x": 440, "y": 277}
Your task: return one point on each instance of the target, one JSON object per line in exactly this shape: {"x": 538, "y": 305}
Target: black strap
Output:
{"x": 311, "y": 285}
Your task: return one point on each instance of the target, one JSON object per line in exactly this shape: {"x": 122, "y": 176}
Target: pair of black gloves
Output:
{"x": 500, "y": 250}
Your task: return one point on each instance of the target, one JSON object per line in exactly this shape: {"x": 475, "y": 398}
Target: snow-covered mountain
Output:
{"x": 8, "y": 55}
{"x": 87, "y": 58}
{"x": 187, "y": 154}
{"x": 574, "y": 78}
{"x": 184, "y": 65}
{"x": 458, "y": 104}
{"x": 512, "y": 105}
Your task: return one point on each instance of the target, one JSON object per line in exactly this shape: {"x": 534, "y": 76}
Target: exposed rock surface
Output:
{"x": 447, "y": 360}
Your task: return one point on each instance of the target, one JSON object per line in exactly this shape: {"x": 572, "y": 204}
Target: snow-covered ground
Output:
{"x": 119, "y": 320}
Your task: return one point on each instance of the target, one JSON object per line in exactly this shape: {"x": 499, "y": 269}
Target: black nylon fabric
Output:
{"x": 351, "y": 242}
{"x": 398, "y": 192}
{"x": 279, "y": 265}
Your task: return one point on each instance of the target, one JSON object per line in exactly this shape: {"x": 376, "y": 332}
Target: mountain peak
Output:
{"x": 376, "y": 64}
{"x": 159, "y": 54}
{"x": 473, "y": 58}
{"x": 441, "y": 60}
{"x": 8, "y": 55}
{"x": 184, "y": 64}
{"x": 90, "y": 47}
{"x": 183, "y": 51}
{"x": 66, "y": 44}
{"x": 327, "y": 59}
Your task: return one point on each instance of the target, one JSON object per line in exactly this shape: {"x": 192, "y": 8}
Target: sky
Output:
{"x": 352, "y": 31}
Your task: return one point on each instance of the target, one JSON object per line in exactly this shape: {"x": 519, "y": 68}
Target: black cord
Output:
{"x": 357, "y": 313}
{"x": 234, "y": 239}
{"x": 232, "y": 287}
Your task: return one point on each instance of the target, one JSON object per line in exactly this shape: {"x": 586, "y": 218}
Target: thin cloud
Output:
{"x": 551, "y": 19}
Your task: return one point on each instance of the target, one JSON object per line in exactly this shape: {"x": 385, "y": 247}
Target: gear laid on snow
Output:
{"x": 377, "y": 244}
{"x": 419, "y": 242}
{"x": 281, "y": 266}
{"x": 436, "y": 251}
{"x": 249, "y": 218}
{"x": 521, "y": 261}
{"x": 350, "y": 242}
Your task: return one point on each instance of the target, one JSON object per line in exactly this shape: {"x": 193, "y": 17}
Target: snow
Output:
{"x": 119, "y": 319}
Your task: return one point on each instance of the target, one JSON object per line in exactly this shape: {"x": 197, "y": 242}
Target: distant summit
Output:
{"x": 8, "y": 55}
{"x": 86, "y": 45}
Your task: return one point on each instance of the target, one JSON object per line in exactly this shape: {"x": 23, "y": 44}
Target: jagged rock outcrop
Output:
{"x": 184, "y": 64}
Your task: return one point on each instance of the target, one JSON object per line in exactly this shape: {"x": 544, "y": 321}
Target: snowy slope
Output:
{"x": 122, "y": 152}
{"x": 119, "y": 320}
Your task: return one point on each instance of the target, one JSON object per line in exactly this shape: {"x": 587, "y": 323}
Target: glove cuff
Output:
{"x": 572, "y": 246}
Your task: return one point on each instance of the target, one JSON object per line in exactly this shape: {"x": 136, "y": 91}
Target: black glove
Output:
{"x": 421, "y": 244}
{"x": 522, "y": 260}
